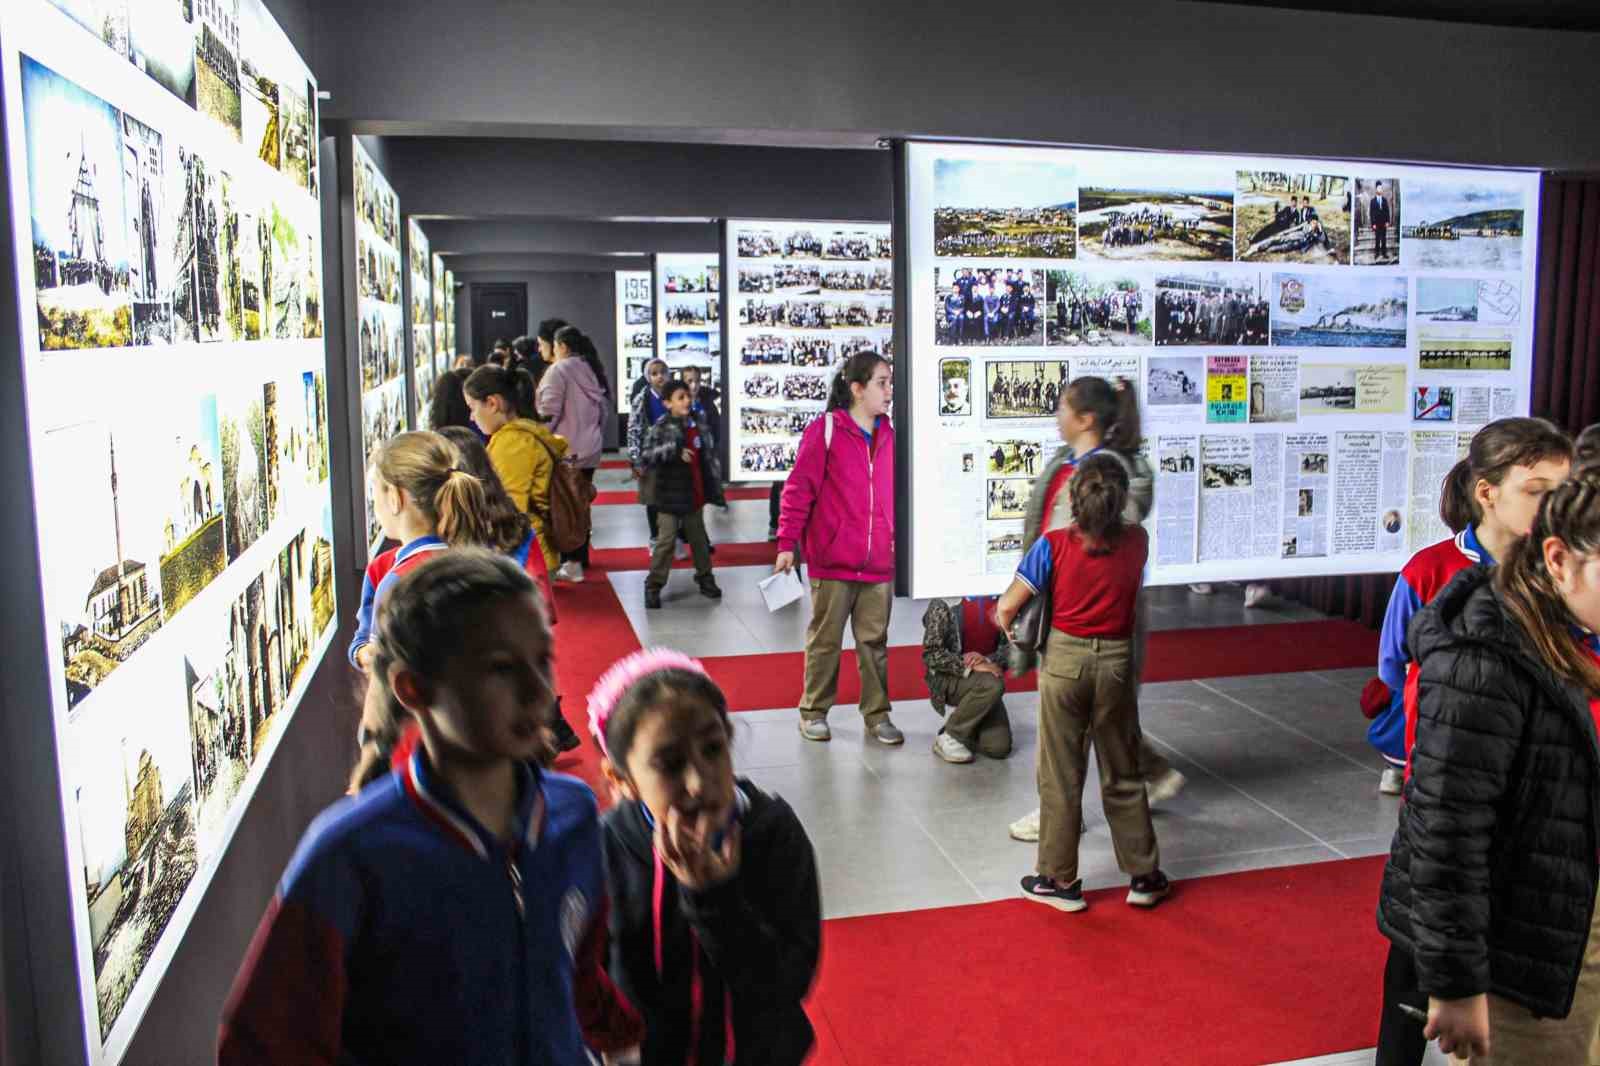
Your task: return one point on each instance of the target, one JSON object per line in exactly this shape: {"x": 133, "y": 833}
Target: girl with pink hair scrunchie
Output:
{"x": 716, "y": 918}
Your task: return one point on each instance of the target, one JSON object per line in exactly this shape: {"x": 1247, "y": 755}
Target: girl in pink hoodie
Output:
{"x": 838, "y": 512}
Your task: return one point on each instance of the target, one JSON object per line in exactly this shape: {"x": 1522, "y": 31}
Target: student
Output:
{"x": 1490, "y": 499}
{"x": 523, "y": 450}
{"x": 1095, "y": 417}
{"x": 838, "y": 512}
{"x": 448, "y": 407}
{"x": 1586, "y": 450}
{"x": 425, "y": 502}
{"x": 1088, "y": 688}
{"x": 575, "y": 399}
{"x": 681, "y": 475}
{"x": 401, "y": 932}
{"x": 704, "y": 398}
{"x": 716, "y": 916}
{"x": 964, "y": 656}
{"x": 1491, "y": 882}
{"x": 648, "y": 408}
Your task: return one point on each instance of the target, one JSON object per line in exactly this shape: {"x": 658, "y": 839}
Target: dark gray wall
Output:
{"x": 555, "y": 236}
{"x": 1160, "y": 74}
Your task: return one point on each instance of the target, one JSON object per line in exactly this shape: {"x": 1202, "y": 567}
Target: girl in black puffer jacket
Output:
{"x": 1492, "y": 877}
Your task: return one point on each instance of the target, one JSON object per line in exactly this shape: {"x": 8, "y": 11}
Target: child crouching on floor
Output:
{"x": 964, "y": 658}
{"x": 716, "y": 918}
{"x": 1092, "y": 570}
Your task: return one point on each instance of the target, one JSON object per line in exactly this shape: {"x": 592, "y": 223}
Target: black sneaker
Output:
{"x": 652, "y": 598}
{"x": 708, "y": 588}
{"x": 1148, "y": 890}
{"x": 1050, "y": 892}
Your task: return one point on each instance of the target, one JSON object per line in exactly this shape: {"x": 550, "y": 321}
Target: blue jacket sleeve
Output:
{"x": 1037, "y": 565}
{"x": 363, "y": 635}
{"x": 1392, "y": 654}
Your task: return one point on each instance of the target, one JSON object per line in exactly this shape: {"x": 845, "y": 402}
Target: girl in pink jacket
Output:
{"x": 838, "y": 512}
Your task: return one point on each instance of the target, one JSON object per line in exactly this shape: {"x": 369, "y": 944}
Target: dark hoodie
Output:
{"x": 752, "y": 942}
{"x": 1491, "y": 876}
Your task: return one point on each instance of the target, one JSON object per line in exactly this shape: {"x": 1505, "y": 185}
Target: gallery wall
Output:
{"x": 1252, "y": 79}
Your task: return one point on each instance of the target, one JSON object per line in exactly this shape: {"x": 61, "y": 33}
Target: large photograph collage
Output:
{"x": 1237, "y": 292}
{"x": 381, "y": 320}
{"x": 180, "y": 439}
{"x": 636, "y": 338}
{"x": 423, "y": 367}
{"x": 445, "y": 350}
{"x": 806, "y": 296}
{"x": 688, "y": 314}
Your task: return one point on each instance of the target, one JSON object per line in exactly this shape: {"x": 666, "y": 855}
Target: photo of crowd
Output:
{"x": 809, "y": 388}
{"x": 690, "y": 312}
{"x": 1008, "y": 497}
{"x": 1159, "y": 223}
{"x": 857, "y": 279}
{"x": 1191, "y": 309}
{"x": 774, "y": 422}
{"x": 1024, "y": 389}
{"x": 767, "y": 458}
{"x": 988, "y": 306}
{"x": 825, "y": 314}
{"x": 1011, "y": 210}
{"x": 1095, "y": 310}
{"x": 759, "y": 281}
{"x": 761, "y": 386}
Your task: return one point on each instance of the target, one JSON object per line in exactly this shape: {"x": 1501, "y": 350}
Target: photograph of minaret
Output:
{"x": 76, "y": 205}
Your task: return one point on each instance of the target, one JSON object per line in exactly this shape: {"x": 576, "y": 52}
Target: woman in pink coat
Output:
{"x": 838, "y": 512}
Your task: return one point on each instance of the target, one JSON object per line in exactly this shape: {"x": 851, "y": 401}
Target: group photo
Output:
{"x": 984, "y": 306}
{"x": 1211, "y": 310}
{"x": 1024, "y": 388}
{"x": 1094, "y": 309}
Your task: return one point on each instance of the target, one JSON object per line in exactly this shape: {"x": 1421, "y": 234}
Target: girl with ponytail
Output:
{"x": 523, "y": 450}
{"x": 1488, "y": 501}
{"x": 1088, "y": 687}
{"x": 837, "y": 512}
{"x": 1490, "y": 889}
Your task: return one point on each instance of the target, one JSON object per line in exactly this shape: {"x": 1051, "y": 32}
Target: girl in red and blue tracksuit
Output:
{"x": 838, "y": 513}
{"x": 455, "y": 911}
{"x": 1490, "y": 499}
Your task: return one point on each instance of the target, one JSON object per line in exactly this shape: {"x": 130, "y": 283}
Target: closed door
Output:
{"x": 499, "y": 312}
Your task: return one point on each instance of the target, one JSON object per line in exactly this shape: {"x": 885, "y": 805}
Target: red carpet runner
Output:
{"x": 1252, "y": 967}
{"x": 733, "y": 492}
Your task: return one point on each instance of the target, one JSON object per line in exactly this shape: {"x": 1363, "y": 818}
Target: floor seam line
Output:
{"x": 1281, "y": 725}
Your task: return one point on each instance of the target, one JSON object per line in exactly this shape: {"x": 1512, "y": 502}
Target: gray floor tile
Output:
{"x": 1268, "y": 753}
{"x": 1335, "y": 807}
{"x": 884, "y": 865}
{"x": 1210, "y": 865}
{"x": 833, "y": 794}
{"x": 1364, "y": 846}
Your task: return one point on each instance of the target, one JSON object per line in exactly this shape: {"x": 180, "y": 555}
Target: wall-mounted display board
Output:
{"x": 688, "y": 318}
{"x": 1312, "y": 341}
{"x": 450, "y": 314}
{"x": 380, "y": 318}
{"x": 636, "y": 338}
{"x": 423, "y": 368}
{"x": 164, "y": 192}
{"x": 447, "y": 355}
{"x": 802, "y": 297}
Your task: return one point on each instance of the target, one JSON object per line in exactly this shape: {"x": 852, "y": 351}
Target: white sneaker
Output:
{"x": 1392, "y": 781}
{"x": 1026, "y": 828}
{"x": 1202, "y": 589}
{"x": 571, "y": 571}
{"x": 1256, "y": 593}
{"x": 950, "y": 749}
{"x": 1165, "y": 787}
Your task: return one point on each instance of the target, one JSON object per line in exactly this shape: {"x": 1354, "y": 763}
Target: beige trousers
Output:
{"x": 866, "y": 607}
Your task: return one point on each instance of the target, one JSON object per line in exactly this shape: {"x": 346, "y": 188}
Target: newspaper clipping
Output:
{"x": 1274, "y": 388}
{"x": 1433, "y": 453}
{"x": 1359, "y": 460}
{"x": 1227, "y": 502}
{"x": 1225, "y": 387}
{"x": 1305, "y": 495}
{"x": 1176, "y": 478}
{"x": 1392, "y": 493}
{"x": 1114, "y": 368}
{"x": 1268, "y": 478}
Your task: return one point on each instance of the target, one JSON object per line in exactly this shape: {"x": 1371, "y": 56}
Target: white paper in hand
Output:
{"x": 782, "y": 589}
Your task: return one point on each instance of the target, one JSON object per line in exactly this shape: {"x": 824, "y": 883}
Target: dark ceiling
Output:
{"x": 1545, "y": 14}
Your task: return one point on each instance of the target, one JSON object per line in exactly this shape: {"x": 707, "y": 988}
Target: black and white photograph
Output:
{"x": 221, "y": 744}
{"x": 1442, "y": 352}
{"x": 774, "y": 421}
{"x": 1177, "y": 456}
{"x": 636, "y": 314}
{"x": 1008, "y": 498}
{"x": 767, "y": 458}
{"x": 761, "y": 385}
{"x": 1176, "y": 380}
{"x": 216, "y": 63}
{"x": 255, "y": 260}
{"x": 991, "y": 306}
{"x": 807, "y": 387}
{"x": 81, "y": 265}
{"x": 242, "y": 435}
{"x": 1012, "y": 210}
{"x": 1096, "y": 309}
{"x": 1285, "y": 217}
{"x": 106, "y": 19}
{"x": 1024, "y": 388}
{"x": 1014, "y": 458}
{"x": 198, "y": 304}
{"x": 1314, "y": 464}
{"x": 150, "y": 231}
{"x": 161, "y": 40}
{"x": 1377, "y": 222}
{"x": 955, "y": 387}
{"x": 193, "y": 546}
{"x": 1225, "y": 475}
{"x": 1326, "y": 389}
{"x": 1212, "y": 309}
{"x": 101, "y": 545}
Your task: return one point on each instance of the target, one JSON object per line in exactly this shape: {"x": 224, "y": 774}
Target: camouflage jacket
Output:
{"x": 941, "y": 642}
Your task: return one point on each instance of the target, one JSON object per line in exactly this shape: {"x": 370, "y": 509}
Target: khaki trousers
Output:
{"x": 1520, "y": 1039}
{"x": 866, "y": 607}
{"x": 978, "y": 718}
{"x": 1087, "y": 694}
{"x": 693, "y": 526}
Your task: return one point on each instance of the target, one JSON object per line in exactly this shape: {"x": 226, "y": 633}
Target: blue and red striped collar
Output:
{"x": 433, "y": 798}
{"x": 429, "y": 543}
{"x": 1467, "y": 544}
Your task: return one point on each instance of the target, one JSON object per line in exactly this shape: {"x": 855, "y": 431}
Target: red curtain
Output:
{"x": 1566, "y": 364}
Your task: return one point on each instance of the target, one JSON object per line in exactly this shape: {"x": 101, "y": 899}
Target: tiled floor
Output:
{"x": 1279, "y": 769}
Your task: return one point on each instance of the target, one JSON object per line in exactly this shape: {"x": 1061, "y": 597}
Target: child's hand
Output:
{"x": 691, "y": 859}
{"x": 686, "y": 455}
{"x": 971, "y": 660}
{"x": 783, "y": 563}
{"x": 629, "y": 1057}
{"x": 1460, "y": 1025}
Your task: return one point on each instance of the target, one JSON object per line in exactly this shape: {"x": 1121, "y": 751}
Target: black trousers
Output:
{"x": 580, "y": 554}
{"x": 774, "y": 499}
{"x": 1400, "y": 1040}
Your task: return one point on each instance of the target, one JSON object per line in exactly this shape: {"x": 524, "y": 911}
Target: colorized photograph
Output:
{"x": 1462, "y": 225}
{"x": 1377, "y": 235}
{"x": 1329, "y": 310}
{"x": 1013, "y": 210}
{"x": 193, "y": 546}
{"x": 1292, "y": 218}
{"x": 1096, "y": 309}
{"x": 988, "y": 306}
